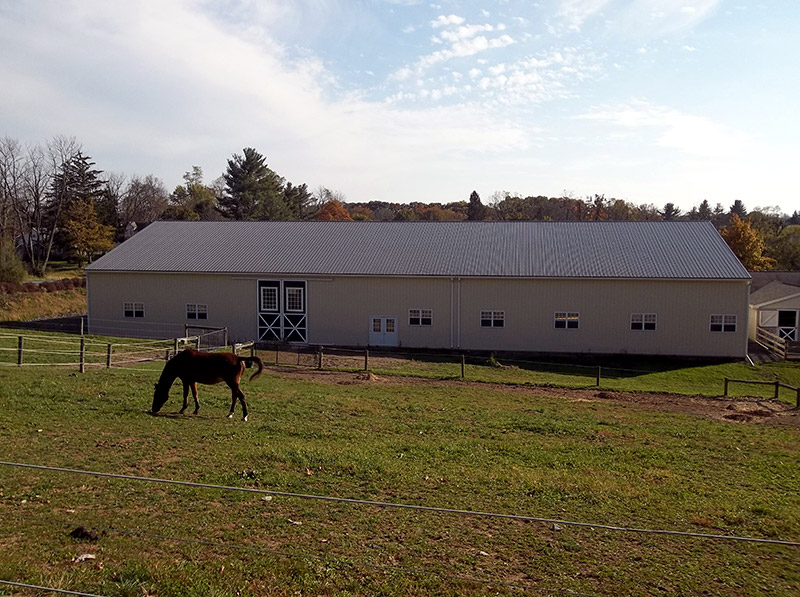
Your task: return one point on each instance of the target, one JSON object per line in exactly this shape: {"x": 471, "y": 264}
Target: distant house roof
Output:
{"x": 657, "y": 250}
{"x": 774, "y": 291}
{"x": 761, "y": 279}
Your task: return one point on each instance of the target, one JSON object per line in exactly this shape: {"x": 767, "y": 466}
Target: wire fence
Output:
{"x": 489, "y": 578}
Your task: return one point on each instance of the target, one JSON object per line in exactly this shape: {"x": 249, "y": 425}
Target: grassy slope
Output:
{"x": 36, "y": 305}
{"x": 467, "y": 448}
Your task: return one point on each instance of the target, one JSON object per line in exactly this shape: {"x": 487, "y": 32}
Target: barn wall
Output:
{"x": 339, "y": 311}
{"x": 683, "y": 309}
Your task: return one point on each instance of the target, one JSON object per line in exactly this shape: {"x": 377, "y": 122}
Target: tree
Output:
{"x": 192, "y": 201}
{"x": 747, "y": 244}
{"x": 252, "y": 189}
{"x": 476, "y": 211}
{"x": 670, "y": 212}
{"x": 142, "y": 200}
{"x": 738, "y": 209}
{"x": 11, "y": 267}
{"x": 299, "y": 201}
{"x": 786, "y": 249}
{"x": 333, "y": 211}
{"x": 87, "y": 235}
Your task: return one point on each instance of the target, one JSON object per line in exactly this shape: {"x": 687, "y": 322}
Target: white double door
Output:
{"x": 383, "y": 331}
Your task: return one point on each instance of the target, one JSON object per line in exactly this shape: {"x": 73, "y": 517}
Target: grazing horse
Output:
{"x": 193, "y": 367}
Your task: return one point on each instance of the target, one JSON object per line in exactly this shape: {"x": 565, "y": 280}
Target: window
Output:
{"x": 493, "y": 319}
{"x": 269, "y": 298}
{"x": 420, "y": 317}
{"x": 567, "y": 320}
{"x": 294, "y": 299}
{"x": 133, "y": 309}
{"x": 195, "y": 311}
{"x": 722, "y": 323}
{"x": 643, "y": 321}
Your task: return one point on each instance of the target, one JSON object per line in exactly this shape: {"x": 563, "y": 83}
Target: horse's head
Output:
{"x": 160, "y": 396}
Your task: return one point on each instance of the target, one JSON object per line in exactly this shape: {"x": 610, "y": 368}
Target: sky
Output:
{"x": 650, "y": 101}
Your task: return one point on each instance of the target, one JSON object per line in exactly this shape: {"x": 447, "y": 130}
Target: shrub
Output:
{"x": 11, "y": 268}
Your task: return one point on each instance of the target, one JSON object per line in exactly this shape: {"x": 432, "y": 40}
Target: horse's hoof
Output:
{"x": 230, "y": 416}
{"x": 244, "y": 418}
{"x": 195, "y": 412}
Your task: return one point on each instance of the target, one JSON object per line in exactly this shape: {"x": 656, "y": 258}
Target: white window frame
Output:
{"x": 136, "y": 310}
{"x": 298, "y": 291}
{"x": 722, "y": 323}
{"x": 420, "y": 317}
{"x": 265, "y": 298}
{"x": 196, "y": 311}
{"x": 567, "y": 318}
{"x": 496, "y": 318}
{"x": 641, "y": 321}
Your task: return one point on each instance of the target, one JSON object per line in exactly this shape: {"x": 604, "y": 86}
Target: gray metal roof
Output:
{"x": 774, "y": 291}
{"x": 660, "y": 250}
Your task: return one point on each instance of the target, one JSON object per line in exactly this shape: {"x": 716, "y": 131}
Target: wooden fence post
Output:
{"x": 20, "y": 344}
{"x": 277, "y": 353}
{"x": 174, "y": 348}
{"x": 321, "y": 357}
{"x": 777, "y": 388}
{"x": 108, "y": 357}
{"x": 83, "y": 355}
{"x": 726, "y": 388}
{"x": 462, "y": 366}
{"x": 366, "y": 360}
{"x": 598, "y": 375}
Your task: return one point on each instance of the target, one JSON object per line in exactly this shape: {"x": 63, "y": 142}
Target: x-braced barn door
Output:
{"x": 282, "y": 311}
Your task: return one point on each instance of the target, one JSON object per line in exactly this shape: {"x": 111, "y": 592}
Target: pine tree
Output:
{"x": 252, "y": 189}
{"x": 476, "y": 211}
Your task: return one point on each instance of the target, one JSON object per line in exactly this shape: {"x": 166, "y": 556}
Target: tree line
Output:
{"x": 54, "y": 203}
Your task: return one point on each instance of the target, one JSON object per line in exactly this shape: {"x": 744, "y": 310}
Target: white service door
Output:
{"x": 383, "y": 331}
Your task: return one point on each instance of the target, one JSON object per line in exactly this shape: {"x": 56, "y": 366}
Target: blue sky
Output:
{"x": 650, "y": 101}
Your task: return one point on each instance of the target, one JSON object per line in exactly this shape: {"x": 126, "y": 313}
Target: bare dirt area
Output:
{"x": 738, "y": 410}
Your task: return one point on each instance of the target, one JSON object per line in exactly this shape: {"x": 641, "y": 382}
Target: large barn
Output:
{"x": 668, "y": 288}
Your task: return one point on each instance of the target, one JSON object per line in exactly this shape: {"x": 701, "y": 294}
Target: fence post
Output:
{"x": 777, "y": 388}
{"x": 797, "y": 406}
{"x": 366, "y": 360}
{"x": 233, "y": 347}
{"x": 462, "y": 366}
{"x": 253, "y": 349}
{"x": 198, "y": 342}
{"x": 175, "y": 347}
{"x": 166, "y": 355}
{"x": 20, "y": 344}
{"x": 277, "y": 353}
{"x": 225, "y": 337}
{"x": 726, "y": 388}
{"x": 321, "y": 357}
{"x": 108, "y": 357}
{"x": 83, "y": 354}
{"x": 598, "y": 375}
{"x": 81, "y": 326}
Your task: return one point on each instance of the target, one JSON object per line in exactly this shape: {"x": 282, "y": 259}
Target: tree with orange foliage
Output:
{"x": 333, "y": 211}
{"x": 747, "y": 243}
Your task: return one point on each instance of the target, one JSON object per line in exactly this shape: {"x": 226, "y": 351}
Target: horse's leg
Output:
{"x": 244, "y": 404}
{"x": 236, "y": 393}
{"x": 185, "y": 396}
{"x": 193, "y": 385}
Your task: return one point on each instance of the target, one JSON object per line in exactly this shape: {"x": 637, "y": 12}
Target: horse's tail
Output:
{"x": 249, "y": 361}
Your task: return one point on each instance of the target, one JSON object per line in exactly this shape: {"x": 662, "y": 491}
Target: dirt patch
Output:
{"x": 733, "y": 410}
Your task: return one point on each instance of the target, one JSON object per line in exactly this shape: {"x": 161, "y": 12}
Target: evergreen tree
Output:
{"x": 252, "y": 189}
{"x": 299, "y": 201}
{"x": 476, "y": 211}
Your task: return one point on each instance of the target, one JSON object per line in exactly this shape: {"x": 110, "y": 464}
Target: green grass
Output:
{"x": 473, "y": 447}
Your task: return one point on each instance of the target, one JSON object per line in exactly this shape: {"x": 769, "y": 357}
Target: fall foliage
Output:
{"x": 747, "y": 243}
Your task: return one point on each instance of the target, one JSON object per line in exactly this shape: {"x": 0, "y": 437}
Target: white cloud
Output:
{"x": 672, "y": 129}
{"x": 445, "y": 21}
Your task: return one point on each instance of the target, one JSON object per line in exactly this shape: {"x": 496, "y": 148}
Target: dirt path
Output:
{"x": 734, "y": 410}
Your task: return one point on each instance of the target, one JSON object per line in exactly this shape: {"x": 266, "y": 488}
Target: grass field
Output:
{"x": 495, "y": 448}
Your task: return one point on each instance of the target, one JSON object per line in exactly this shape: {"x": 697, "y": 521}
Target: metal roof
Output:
{"x": 773, "y": 292}
{"x": 656, "y": 250}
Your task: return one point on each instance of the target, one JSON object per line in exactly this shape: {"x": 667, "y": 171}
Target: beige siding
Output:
{"x": 231, "y": 303}
{"x": 339, "y": 311}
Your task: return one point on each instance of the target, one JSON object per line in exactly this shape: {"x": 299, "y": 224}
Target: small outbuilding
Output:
{"x": 775, "y": 304}
{"x": 666, "y": 288}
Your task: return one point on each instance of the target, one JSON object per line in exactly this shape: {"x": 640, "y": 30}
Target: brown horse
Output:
{"x": 193, "y": 367}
